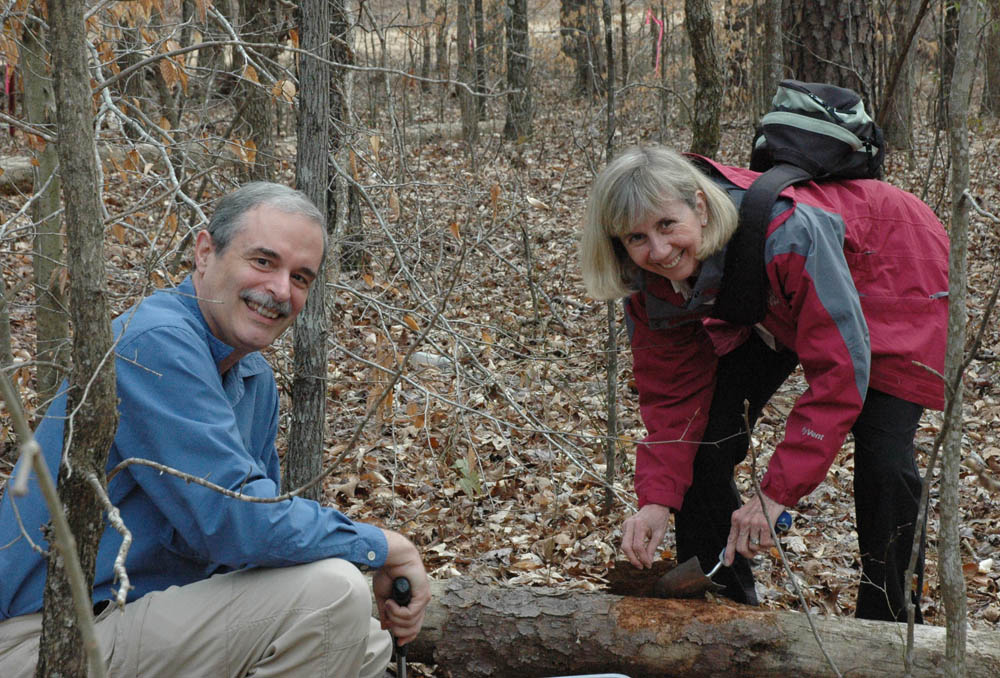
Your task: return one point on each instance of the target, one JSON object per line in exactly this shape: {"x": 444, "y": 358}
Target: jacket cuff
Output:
{"x": 776, "y": 492}
{"x": 671, "y": 500}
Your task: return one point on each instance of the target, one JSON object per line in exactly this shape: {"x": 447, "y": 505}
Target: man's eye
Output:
{"x": 301, "y": 281}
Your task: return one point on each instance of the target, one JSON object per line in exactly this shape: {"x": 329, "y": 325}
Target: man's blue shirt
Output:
{"x": 176, "y": 409}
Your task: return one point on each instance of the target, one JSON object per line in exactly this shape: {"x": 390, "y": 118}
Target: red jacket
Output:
{"x": 858, "y": 272}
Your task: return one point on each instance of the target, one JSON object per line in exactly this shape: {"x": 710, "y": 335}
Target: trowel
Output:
{"x": 687, "y": 580}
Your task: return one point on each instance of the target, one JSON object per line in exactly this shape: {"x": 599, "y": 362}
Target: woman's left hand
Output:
{"x": 751, "y": 528}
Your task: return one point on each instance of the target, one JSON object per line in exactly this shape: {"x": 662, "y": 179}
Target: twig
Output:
{"x": 774, "y": 537}
{"x": 115, "y": 518}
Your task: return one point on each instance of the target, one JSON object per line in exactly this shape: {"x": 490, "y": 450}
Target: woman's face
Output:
{"x": 666, "y": 241}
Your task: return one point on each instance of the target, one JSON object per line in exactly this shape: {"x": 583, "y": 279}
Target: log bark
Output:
{"x": 477, "y": 630}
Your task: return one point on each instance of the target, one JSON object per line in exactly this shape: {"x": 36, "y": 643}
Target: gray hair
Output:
{"x": 228, "y": 218}
{"x": 638, "y": 182}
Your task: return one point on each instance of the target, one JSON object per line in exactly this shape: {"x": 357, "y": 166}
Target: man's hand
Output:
{"x": 750, "y": 532}
{"x": 403, "y": 561}
{"x": 642, "y": 534}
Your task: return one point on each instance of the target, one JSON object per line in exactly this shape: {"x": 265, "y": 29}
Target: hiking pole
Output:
{"x": 401, "y": 594}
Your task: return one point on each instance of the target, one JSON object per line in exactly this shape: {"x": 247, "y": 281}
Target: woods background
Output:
{"x": 451, "y": 376}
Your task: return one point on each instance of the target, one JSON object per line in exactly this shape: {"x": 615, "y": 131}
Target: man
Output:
{"x": 222, "y": 586}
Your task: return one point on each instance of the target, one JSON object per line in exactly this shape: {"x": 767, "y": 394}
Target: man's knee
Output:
{"x": 335, "y": 582}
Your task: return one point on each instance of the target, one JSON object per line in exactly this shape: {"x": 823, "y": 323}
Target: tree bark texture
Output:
{"x": 467, "y": 73}
{"x": 347, "y": 237}
{"x": 51, "y": 318}
{"x": 479, "y": 42}
{"x": 949, "y": 38}
{"x": 473, "y": 630}
{"x": 769, "y": 62}
{"x": 707, "y": 105}
{"x": 898, "y": 113}
{"x": 93, "y": 426}
{"x": 991, "y": 46}
{"x": 831, "y": 41}
{"x": 304, "y": 458}
{"x": 949, "y": 539}
{"x": 263, "y": 25}
{"x": 579, "y": 43}
{"x": 520, "y": 112}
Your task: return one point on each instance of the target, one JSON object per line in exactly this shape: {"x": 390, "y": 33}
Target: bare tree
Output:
{"x": 304, "y": 459}
{"x": 707, "y": 106}
{"x": 768, "y": 62}
{"x": 52, "y": 321}
{"x": 991, "y": 62}
{"x": 92, "y": 386}
{"x": 467, "y": 75}
{"x": 949, "y": 541}
{"x": 520, "y": 113}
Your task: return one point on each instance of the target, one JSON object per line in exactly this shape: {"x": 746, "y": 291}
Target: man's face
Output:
{"x": 252, "y": 291}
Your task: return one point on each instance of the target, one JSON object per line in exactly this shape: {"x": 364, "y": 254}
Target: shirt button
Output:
{"x": 371, "y": 555}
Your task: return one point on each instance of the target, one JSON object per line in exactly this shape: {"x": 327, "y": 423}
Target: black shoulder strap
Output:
{"x": 742, "y": 300}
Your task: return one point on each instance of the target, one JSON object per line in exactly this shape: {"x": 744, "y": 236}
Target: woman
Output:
{"x": 858, "y": 279}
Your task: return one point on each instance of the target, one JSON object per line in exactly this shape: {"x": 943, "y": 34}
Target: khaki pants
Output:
{"x": 308, "y": 620}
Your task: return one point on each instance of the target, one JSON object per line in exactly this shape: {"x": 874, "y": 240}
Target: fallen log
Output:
{"x": 477, "y": 630}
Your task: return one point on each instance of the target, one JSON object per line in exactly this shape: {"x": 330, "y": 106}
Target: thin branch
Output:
{"x": 781, "y": 551}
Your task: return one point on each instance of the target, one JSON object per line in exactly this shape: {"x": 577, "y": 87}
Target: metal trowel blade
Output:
{"x": 687, "y": 580}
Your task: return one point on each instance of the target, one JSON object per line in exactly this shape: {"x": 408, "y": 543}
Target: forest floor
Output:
{"x": 490, "y": 452}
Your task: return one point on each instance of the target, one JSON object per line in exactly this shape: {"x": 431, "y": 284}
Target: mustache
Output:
{"x": 282, "y": 308}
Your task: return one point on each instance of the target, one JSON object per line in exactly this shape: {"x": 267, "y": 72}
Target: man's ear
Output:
{"x": 203, "y": 247}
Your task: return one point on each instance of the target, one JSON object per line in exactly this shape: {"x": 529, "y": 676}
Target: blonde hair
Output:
{"x": 639, "y": 181}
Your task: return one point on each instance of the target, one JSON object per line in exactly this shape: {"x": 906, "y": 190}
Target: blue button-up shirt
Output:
{"x": 176, "y": 409}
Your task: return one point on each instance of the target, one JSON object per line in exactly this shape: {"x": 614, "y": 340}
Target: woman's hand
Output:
{"x": 750, "y": 532}
{"x": 642, "y": 534}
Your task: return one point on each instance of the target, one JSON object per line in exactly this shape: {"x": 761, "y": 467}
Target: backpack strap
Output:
{"x": 742, "y": 300}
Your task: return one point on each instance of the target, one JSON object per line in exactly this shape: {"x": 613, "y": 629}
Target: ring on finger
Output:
{"x": 755, "y": 541}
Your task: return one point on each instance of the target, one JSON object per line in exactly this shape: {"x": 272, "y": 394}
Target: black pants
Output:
{"x": 886, "y": 482}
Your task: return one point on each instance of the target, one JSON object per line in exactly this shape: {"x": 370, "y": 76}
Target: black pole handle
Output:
{"x": 401, "y": 592}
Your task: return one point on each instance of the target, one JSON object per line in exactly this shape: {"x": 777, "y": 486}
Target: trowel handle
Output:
{"x": 783, "y": 523}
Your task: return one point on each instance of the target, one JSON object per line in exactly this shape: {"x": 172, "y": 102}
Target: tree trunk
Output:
{"x": 304, "y": 458}
{"x": 991, "y": 44}
{"x": 769, "y": 63}
{"x": 520, "y": 113}
{"x": 623, "y": 13}
{"x": 93, "y": 426}
{"x": 949, "y": 540}
{"x": 51, "y": 319}
{"x": 474, "y": 630}
{"x": 466, "y": 75}
{"x": 479, "y": 42}
{"x": 578, "y": 43}
{"x": 897, "y": 96}
{"x": 262, "y": 26}
{"x": 348, "y": 249}
{"x": 425, "y": 44}
{"x": 949, "y": 37}
{"x": 707, "y": 105}
{"x": 831, "y": 41}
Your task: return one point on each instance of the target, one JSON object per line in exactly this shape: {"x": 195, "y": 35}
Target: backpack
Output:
{"x": 814, "y": 132}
